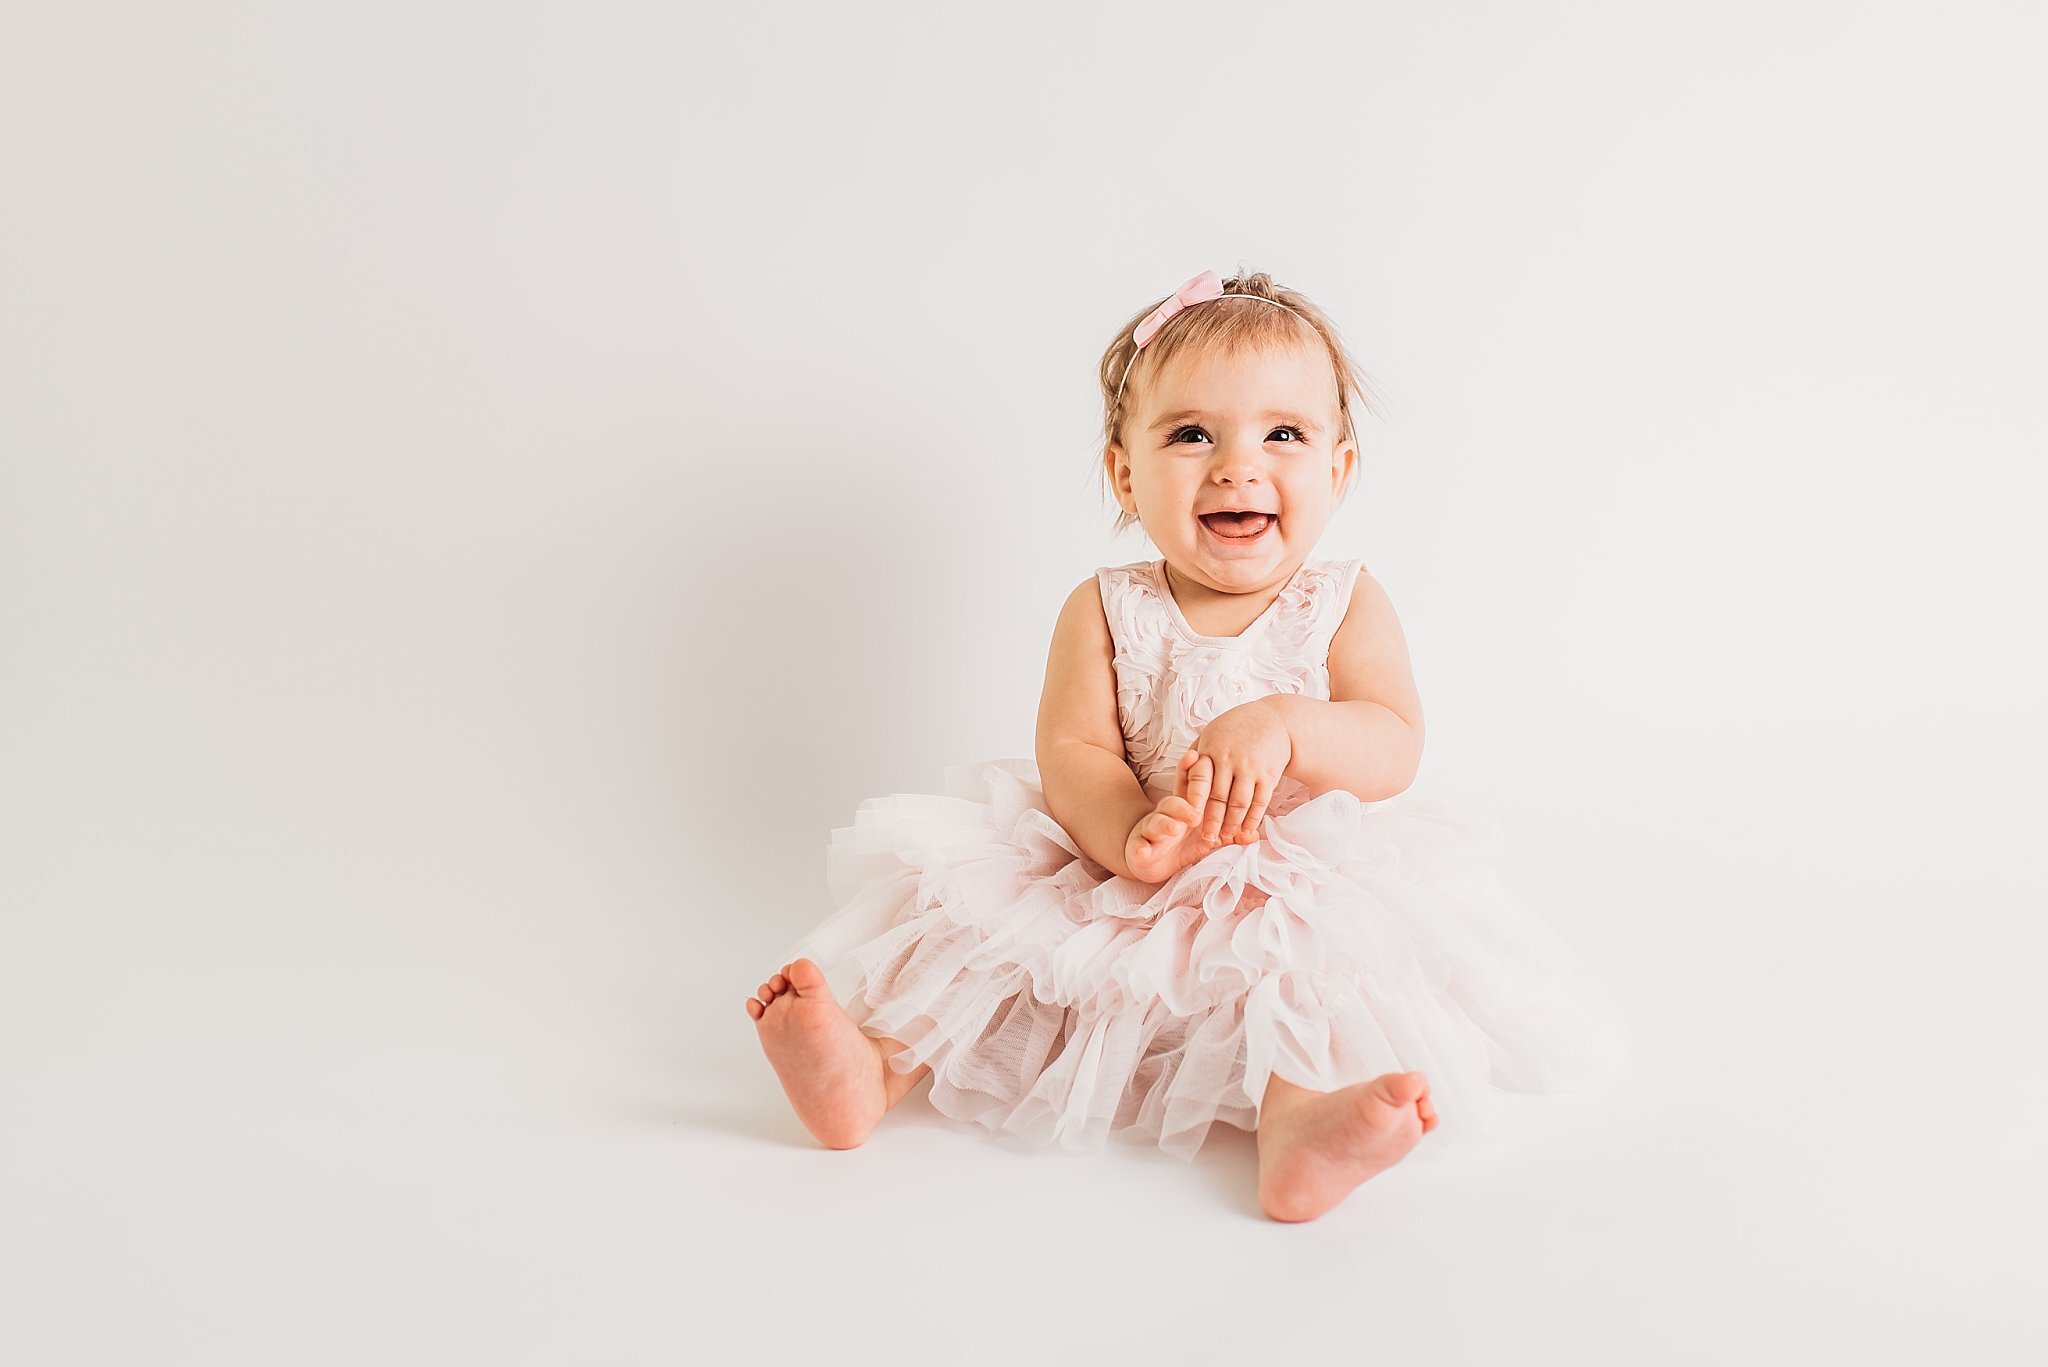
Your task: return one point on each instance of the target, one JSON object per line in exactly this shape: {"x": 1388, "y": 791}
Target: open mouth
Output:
{"x": 1241, "y": 528}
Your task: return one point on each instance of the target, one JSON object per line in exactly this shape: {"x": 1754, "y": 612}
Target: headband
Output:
{"x": 1199, "y": 290}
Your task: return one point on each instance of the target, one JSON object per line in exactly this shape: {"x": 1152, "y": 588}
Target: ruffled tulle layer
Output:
{"x": 1062, "y": 1004}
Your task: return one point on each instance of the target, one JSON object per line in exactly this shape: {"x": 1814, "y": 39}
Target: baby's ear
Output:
{"x": 1119, "y": 470}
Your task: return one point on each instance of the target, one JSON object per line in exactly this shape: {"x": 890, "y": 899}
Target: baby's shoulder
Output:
{"x": 1083, "y": 622}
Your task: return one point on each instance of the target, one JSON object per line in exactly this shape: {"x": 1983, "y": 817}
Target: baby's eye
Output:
{"x": 1180, "y": 432}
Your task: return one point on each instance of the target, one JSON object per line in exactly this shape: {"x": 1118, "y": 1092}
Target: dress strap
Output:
{"x": 1328, "y": 597}
{"x": 1122, "y": 600}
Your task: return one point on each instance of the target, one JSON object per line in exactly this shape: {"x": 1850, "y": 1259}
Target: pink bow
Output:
{"x": 1208, "y": 285}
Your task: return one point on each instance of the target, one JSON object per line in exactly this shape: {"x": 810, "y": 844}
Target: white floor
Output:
{"x": 518, "y": 1116}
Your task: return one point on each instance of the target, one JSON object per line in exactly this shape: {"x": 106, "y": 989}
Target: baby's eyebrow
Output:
{"x": 1306, "y": 424}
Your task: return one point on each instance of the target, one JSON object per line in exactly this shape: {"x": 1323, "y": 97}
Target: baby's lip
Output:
{"x": 1267, "y": 511}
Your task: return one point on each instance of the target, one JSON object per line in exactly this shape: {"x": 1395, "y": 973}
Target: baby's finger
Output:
{"x": 1261, "y": 794}
{"x": 1219, "y": 800}
{"x": 1242, "y": 795}
{"x": 1198, "y": 784}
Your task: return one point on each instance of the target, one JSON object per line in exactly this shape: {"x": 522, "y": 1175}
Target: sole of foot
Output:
{"x": 1327, "y": 1146}
{"x": 831, "y": 1072}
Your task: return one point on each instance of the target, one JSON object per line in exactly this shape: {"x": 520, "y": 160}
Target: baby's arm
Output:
{"x": 1089, "y": 786}
{"x": 1368, "y": 737}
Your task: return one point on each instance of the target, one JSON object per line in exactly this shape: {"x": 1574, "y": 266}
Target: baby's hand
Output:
{"x": 1169, "y": 837}
{"x": 1250, "y": 749}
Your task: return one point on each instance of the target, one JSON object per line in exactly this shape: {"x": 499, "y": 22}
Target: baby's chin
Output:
{"x": 1233, "y": 574}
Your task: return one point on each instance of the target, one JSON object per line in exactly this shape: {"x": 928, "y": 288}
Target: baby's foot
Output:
{"x": 831, "y": 1071}
{"x": 1315, "y": 1151}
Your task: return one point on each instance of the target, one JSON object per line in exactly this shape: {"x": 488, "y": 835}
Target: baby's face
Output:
{"x": 1258, "y": 430}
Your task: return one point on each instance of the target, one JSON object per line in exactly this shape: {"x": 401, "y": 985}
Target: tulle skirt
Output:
{"x": 1065, "y": 1005}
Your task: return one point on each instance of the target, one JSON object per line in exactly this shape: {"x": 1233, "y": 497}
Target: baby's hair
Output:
{"x": 1228, "y": 326}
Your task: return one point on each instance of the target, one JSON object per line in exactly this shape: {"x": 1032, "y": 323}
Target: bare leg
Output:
{"x": 1315, "y": 1147}
{"x": 837, "y": 1078}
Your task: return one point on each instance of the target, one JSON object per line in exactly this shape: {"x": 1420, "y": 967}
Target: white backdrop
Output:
{"x": 485, "y": 489}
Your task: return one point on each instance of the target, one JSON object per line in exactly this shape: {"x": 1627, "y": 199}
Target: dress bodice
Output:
{"x": 1171, "y": 680}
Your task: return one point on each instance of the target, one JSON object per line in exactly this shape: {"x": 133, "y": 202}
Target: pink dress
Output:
{"x": 1063, "y": 1004}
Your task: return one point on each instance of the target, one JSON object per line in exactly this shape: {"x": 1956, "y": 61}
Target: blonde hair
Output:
{"x": 1228, "y": 326}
